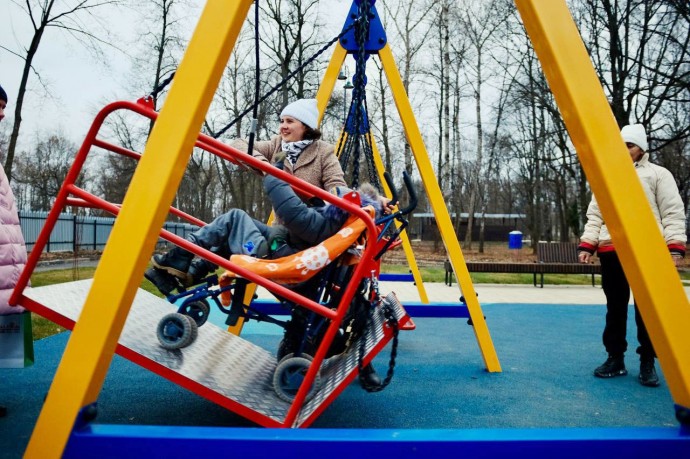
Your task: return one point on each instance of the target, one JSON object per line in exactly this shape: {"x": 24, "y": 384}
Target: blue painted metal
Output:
{"x": 116, "y": 441}
{"x": 377, "y": 34}
{"x": 396, "y": 277}
{"x": 355, "y": 111}
{"x": 414, "y": 309}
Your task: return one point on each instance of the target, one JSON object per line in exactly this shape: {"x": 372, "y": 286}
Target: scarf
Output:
{"x": 292, "y": 150}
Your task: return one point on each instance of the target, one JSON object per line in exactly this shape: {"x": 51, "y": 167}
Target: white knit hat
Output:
{"x": 635, "y": 133}
{"x": 304, "y": 110}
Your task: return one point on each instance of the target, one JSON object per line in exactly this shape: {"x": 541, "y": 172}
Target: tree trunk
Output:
{"x": 30, "y": 53}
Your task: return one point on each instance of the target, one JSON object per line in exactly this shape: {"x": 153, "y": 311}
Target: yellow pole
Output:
{"x": 323, "y": 96}
{"x": 407, "y": 246}
{"x": 654, "y": 279}
{"x": 438, "y": 205}
{"x": 329, "y": 79}
{"x": 79, "y": 377}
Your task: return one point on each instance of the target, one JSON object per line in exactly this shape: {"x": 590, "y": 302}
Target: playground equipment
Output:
{"x": 321, "y": 274}
{"x": 326, "y": 302}
{"x": 589, "y": 121}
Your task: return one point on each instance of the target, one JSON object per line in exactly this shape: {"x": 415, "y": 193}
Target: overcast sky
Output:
{"x": 78, "y": 85}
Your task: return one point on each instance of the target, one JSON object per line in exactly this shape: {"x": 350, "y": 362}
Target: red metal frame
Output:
{"x": 72, "y": 195}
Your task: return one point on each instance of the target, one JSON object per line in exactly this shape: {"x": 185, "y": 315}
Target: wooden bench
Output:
{"x": 561, "y": 258}
{"x": 492, "y": 267}
{"x": 552, "y": 258}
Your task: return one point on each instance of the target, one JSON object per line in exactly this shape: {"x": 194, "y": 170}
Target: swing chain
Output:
{"x": 357, "y": 124}
{"x": 358, "y": 93}
{"x": 390, "y": 321}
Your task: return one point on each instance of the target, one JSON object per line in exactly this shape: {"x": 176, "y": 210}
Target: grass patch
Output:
{"x": 435, "y": 274}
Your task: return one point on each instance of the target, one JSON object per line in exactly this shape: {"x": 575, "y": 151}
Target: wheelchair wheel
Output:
{"x": 287, "y": 350}
{"x": 288, "y": 377}
{"x": 198, "y": 310}
{"x": 176, "y": 331}
{"x": 303, "y": 355}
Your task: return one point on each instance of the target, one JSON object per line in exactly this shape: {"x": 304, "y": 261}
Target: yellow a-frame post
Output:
{"x": 80, "y": 376}
{"x": 323, "y": 96}
{"x": 591, "y": 125}
{"x": 438, "y": 205}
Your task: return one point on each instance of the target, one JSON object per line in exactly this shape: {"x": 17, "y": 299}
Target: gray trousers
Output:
{"x": 234, "y": 232}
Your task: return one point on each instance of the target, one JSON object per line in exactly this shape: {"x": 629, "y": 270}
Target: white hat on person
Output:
{"x": 304, "y": 110}
{"x": 635, "y": 133}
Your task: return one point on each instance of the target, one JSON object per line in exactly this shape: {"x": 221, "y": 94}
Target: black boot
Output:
{"x": 166, "y": 283}
{"x": 199, "y": 269}
{"x": 368, "y": 377}
{"x": 614, "y": 366}
{"x": 648, "y": 375}
{"x": 175, "y": 262}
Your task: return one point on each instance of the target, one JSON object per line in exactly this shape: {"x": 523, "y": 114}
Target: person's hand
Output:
{"x": 387, "y": 205}
{"x": 584, "y": 257}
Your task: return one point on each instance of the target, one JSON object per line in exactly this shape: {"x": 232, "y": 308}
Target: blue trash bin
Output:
{"x": 515, "y": 240}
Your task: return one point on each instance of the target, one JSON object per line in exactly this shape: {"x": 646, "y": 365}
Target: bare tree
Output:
{"x": 158, "y": 48}
{"x": 289, "y": 35}
{"x": 41, "y": 171}
{"x": 640, "y": 49}
{"x": 479, "y": 22}
{"x": 77, "y": 18}
{"x": 410, "y": 23}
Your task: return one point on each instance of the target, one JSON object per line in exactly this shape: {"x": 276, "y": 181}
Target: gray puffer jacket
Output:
{"x": 306, "y": 226}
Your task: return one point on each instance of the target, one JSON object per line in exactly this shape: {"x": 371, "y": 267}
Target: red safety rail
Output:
{"x": 72, "y": 195}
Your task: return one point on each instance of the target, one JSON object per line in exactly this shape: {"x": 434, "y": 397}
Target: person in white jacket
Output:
{"x": 662, "y": 193}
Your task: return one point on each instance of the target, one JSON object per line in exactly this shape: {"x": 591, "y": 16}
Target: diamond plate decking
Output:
{"x": 220, "y": 366}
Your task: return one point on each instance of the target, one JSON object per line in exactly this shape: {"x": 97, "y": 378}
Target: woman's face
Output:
{"x": 291, "y": 130}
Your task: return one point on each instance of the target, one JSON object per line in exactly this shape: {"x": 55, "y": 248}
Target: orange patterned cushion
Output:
{"x": 298, "y": 267}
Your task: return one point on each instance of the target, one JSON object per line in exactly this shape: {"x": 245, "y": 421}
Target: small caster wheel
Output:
{"x": 176, "y": 331}
{"x": 198, "y": 310}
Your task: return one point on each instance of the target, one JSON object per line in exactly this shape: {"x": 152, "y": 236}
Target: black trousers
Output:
{"x": 617, "y": 291}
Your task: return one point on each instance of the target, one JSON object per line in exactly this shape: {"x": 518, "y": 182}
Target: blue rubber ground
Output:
{"x": 547, "y": 354}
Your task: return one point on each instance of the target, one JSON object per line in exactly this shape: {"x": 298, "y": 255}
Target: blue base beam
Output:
{"x": 117, "y": 441}
{"x": 396, "y": 277}
{"x": 414, "y": 309}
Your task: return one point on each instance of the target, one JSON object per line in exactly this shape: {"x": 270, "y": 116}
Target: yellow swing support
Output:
{"x": 655, "y": 282}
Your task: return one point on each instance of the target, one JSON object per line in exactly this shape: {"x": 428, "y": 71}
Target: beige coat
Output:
{"x": 317, "y": 164}
{"x": 661, "y": 192}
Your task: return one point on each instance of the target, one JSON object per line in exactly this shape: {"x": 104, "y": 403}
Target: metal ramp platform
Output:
{"x": 220, "y": 366}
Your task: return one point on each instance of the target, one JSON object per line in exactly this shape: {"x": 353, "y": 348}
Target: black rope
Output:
{"x": 285, "y": 80}
{"x": 161, "y": 86}
{"x": 257, "y": 82}
{"x": 392, "y": 322}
